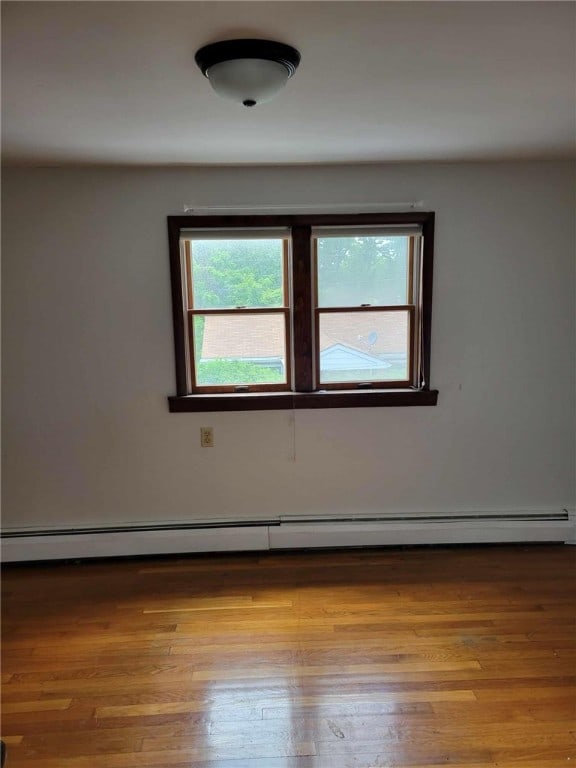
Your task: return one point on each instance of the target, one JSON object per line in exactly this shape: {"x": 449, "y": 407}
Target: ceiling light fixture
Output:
{"x": 248, "y": 71}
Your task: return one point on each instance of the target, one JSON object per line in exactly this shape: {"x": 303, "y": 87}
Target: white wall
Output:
{"x": 88, "y": 355}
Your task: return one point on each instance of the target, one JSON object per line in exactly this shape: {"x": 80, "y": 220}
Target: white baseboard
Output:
{"x": 122, "y": 543}
{"x": 395, "y": 534}
{"x": 22, "y": 546}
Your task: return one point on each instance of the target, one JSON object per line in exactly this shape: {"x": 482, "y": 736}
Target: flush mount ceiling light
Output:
{"x": 248, "y": 71}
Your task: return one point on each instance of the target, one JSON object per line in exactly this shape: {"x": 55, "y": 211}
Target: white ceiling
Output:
{"x": 116, "y": 82}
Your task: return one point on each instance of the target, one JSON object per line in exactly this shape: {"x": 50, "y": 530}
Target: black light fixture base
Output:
{"x": 227, "y": 50}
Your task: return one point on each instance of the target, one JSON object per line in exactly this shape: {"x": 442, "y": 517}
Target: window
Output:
{"x": 238, "y": 305}
{"x": 301, "y": 311}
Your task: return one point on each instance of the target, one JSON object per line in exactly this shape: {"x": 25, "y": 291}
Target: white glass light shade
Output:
{"x": 248, "y": 81}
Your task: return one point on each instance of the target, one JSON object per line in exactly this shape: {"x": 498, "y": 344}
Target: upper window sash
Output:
{"x": 198, "y": 291}
{"x": 372, "y": 282}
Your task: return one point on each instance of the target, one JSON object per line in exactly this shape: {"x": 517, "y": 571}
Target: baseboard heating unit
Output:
{"x": 297, "y": 532}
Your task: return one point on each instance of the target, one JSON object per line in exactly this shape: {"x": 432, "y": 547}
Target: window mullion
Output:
{"x": 302, "y": 309}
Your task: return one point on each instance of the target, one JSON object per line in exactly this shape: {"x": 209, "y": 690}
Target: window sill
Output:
{"x": 277, "y": 401}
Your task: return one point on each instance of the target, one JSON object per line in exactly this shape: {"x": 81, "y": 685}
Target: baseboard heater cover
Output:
{"x": 295, "y": 536}
{"x": 62, "y": 546}
{"x": 287, "y": 533}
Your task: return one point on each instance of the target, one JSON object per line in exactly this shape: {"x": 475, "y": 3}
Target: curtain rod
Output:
{"x": 207, "y": 210}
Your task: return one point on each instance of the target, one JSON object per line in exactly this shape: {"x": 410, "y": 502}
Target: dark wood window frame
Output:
{"x": 304, "y": 314}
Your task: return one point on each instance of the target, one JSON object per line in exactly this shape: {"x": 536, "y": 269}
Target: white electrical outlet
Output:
{"x": 207, "y": 437}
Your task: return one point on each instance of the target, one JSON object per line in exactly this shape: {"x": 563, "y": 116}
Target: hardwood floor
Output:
{"x": 355, "y": 659}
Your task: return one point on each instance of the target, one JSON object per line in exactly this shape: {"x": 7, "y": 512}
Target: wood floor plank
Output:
{"x": 12, "y": 741}
{"x": 35, "y": 706}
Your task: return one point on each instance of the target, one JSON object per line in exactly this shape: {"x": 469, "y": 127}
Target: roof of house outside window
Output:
{"x": 255, "y": 336}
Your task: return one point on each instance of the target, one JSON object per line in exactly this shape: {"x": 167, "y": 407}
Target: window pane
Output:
{"x": 237, "y": 273}
{"x": 240, "y": 349}
{"x": 362, "y": 270}
{"x": 364, "y": 346}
